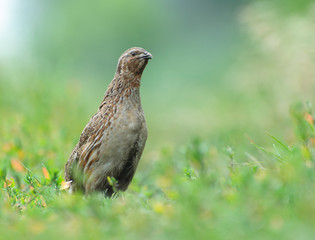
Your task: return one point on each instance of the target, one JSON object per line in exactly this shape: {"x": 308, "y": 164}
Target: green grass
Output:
{"x": 203, "y": 189}
{"x": 230, "y": 153}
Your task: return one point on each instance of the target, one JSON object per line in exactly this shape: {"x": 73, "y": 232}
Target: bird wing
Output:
{"x": 86, "y": 138}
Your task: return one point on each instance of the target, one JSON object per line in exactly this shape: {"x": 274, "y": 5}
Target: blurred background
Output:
{"x": 222, "y": 70}
{"x": 223, "y": 74}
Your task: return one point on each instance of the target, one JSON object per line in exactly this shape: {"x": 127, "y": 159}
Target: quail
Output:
{"x": 112, "y": 142}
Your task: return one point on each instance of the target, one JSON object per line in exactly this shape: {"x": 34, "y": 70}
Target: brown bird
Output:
{"x": 112, "y": 143}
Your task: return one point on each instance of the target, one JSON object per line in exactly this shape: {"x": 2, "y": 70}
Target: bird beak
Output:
{"x": 146, "y": 55}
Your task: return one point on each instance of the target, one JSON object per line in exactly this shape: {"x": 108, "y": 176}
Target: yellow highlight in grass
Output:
{"x": 65, "y": 185}
{"x": 163, "y": 182}
{"x": 46, "y": 173}
{"x": 21, "y": 155}
{"x": 17, "y": 166}
{"x": 309, "y": 118}
{"x": 7, "y": 182}
{"x": 37, "y": 227}
{"x": 7, "y": 147}
{"x": 158, "y": 207}
{"x": 260, "y": 175}
{"x": 163, "y": 208}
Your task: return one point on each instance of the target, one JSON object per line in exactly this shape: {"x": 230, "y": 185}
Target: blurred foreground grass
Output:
{"x": 199, "y": 190}
{"x": 209, "y": 170}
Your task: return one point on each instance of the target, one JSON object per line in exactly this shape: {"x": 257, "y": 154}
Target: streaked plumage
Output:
{"x": 112, "y": 142}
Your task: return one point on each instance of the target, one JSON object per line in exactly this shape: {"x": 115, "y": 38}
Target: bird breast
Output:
{"x": 127, "y": 128}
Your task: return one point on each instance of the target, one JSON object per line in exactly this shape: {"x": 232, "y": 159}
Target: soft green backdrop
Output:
{"x": 223, "y": 73}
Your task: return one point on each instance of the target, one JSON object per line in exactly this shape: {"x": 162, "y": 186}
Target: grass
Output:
{"x": 228, "y": 157}
{"x": 202, "y": 189}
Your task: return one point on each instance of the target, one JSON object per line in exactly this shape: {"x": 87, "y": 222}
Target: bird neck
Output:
{"x": 123, "y": 87}
{"x": 129, "y": 80}
{"x": 123, "y": 82}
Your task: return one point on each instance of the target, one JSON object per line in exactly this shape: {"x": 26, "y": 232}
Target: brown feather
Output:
{"x": 112, "y": 142}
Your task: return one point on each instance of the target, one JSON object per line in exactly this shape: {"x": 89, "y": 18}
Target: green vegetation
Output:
{"x": 197, "y": 191}
{"x": 230, "y": 153}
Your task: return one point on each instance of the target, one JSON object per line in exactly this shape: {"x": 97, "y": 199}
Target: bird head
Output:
{"x": 133, "y": 61}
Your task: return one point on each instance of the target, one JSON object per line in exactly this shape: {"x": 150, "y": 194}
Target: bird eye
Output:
{"x": 133, "y": 53}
